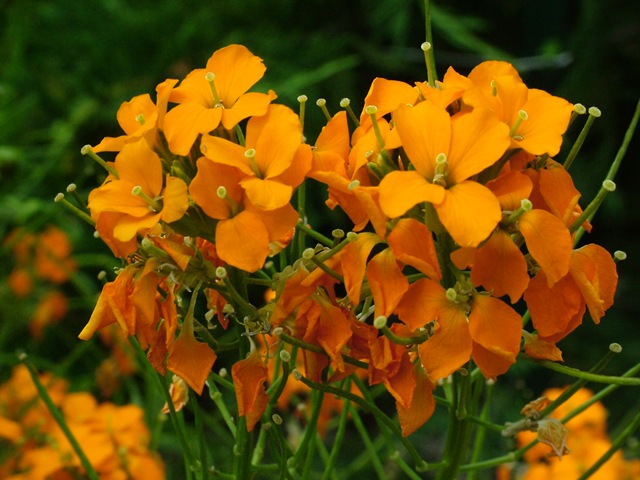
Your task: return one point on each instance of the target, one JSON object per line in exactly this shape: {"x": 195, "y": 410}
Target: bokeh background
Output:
{"x": 66, "y": 66}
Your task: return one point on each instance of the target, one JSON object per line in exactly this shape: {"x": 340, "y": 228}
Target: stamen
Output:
{"x": 494, "y": 87}
{"x": 522, "y": 116}
{"x": 302, "y": 99}
{"x": 322, "y": 103}
{"x": 140, "y": 119}
{"x": 210, "y": 76}
{"x": 346, "y": 104}
{"x": 59, "y": 198}
{"x": 87, "y": 150}
{"x": 372, "y": 110}
{"x": 250, "y": 153}
{"x": 222, "y": 193}
{"x": 154, "y": 205}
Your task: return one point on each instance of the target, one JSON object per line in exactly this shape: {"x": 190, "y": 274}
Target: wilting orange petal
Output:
{"x": 495, "y": 326}
{"x": 541, "y": 349}
{"x": 191, "y": 360}
{"x": 249, "y": 376}
{"x": 500, "y": 267}
{"x": 399, "y": 191}
{"x": 354, "y": 263}
{"x": 548, "y": 241}
{"x": 179, "y": 393}
{"x": 557, "y": 188}
{"x": 387, "y": 282}
{"x": 422, "y": 404}
{"x": 421, "y": 304}
{"x": 412, "y": 244}
{"x": 469, "y": 212}
{"x": 594, "y": 272}
{"x": 553, "y": 309}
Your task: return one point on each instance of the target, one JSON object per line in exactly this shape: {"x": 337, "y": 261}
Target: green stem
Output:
{"x": 429, "y": 55}
{"x": 314, "y": 348}
{"x": 310, "y": 431}
{"x": 374, "y": 410}
{"x": 313, "y": 234}
{"x": 57, "y": 416}
{"x": 371, "y": 449}
{"x": 339, "y": 438}
{"x": 197, "y": 413}
{"x": 418, "y": 339}
{"x": 579, "y": 141}
{"x": 242, "y": 450}
{"x": 478, "y": 444}
{"x": 591, "y": 377}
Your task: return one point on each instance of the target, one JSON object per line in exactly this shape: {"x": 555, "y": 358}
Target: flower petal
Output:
{"x": 399, "y": 191}
{"x": 249, "y": 376}
{"x": 469, "y": 212}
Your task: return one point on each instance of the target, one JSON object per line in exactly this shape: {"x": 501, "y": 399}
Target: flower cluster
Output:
{"x": 459, "y": 211}
{"x": 114, "y": 438}
{"x": 43, "y": 261}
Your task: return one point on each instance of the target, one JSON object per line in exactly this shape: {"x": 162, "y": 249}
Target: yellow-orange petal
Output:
{"x": 191, "y": 360}
{"x": 548, "y": 241}
{"x": 490, "y": 363}
{"x": 204, "y": 186}
{"x": 249, "y": 376}
{"x": 510, "y": 189}
{"x": 243, "y": 241}
{"x": 469, "y": 212}
{"x": 275, "y": 137}
{"x": 548, "y": 119}
{"x": 399, "y": 191}
{"x": 500, "y": 267}
{"x": 388, "y": 283}
{"x": 387, "y": 95}
{"x": 222, "y": 151}
{"x": 184, "y": 122}
{"x": 412, "y": 244}
{"x": 249, "y": 104}
{"x": 236, "y": 70}
{"x": 175, "y": 200}
{"x": 266, "y": 194}
{"x": 478, "y": 140}
{"x": 425, "y": 131}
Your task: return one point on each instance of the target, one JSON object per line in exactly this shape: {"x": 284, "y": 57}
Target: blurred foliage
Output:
{"x": 65, "y": 67}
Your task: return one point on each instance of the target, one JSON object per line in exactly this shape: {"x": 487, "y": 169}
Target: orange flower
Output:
{"x": 537, "y": 120}
{"x": 129, "y": 301}
{"x": 141, "y": 195}
{"x": 273, "y": 162}
{"x": 51, "y": 308}
{"x": 249, "y": 376}
{"x": 215, "y": 95}
{"x": 139, "y": 117}
{"x": 244, "y": 233}
{"x": 445, "y": 152}
{"x": 467, "y": 325}
{"x": 498, "y": 264}
{"x": 591, "y": 283}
